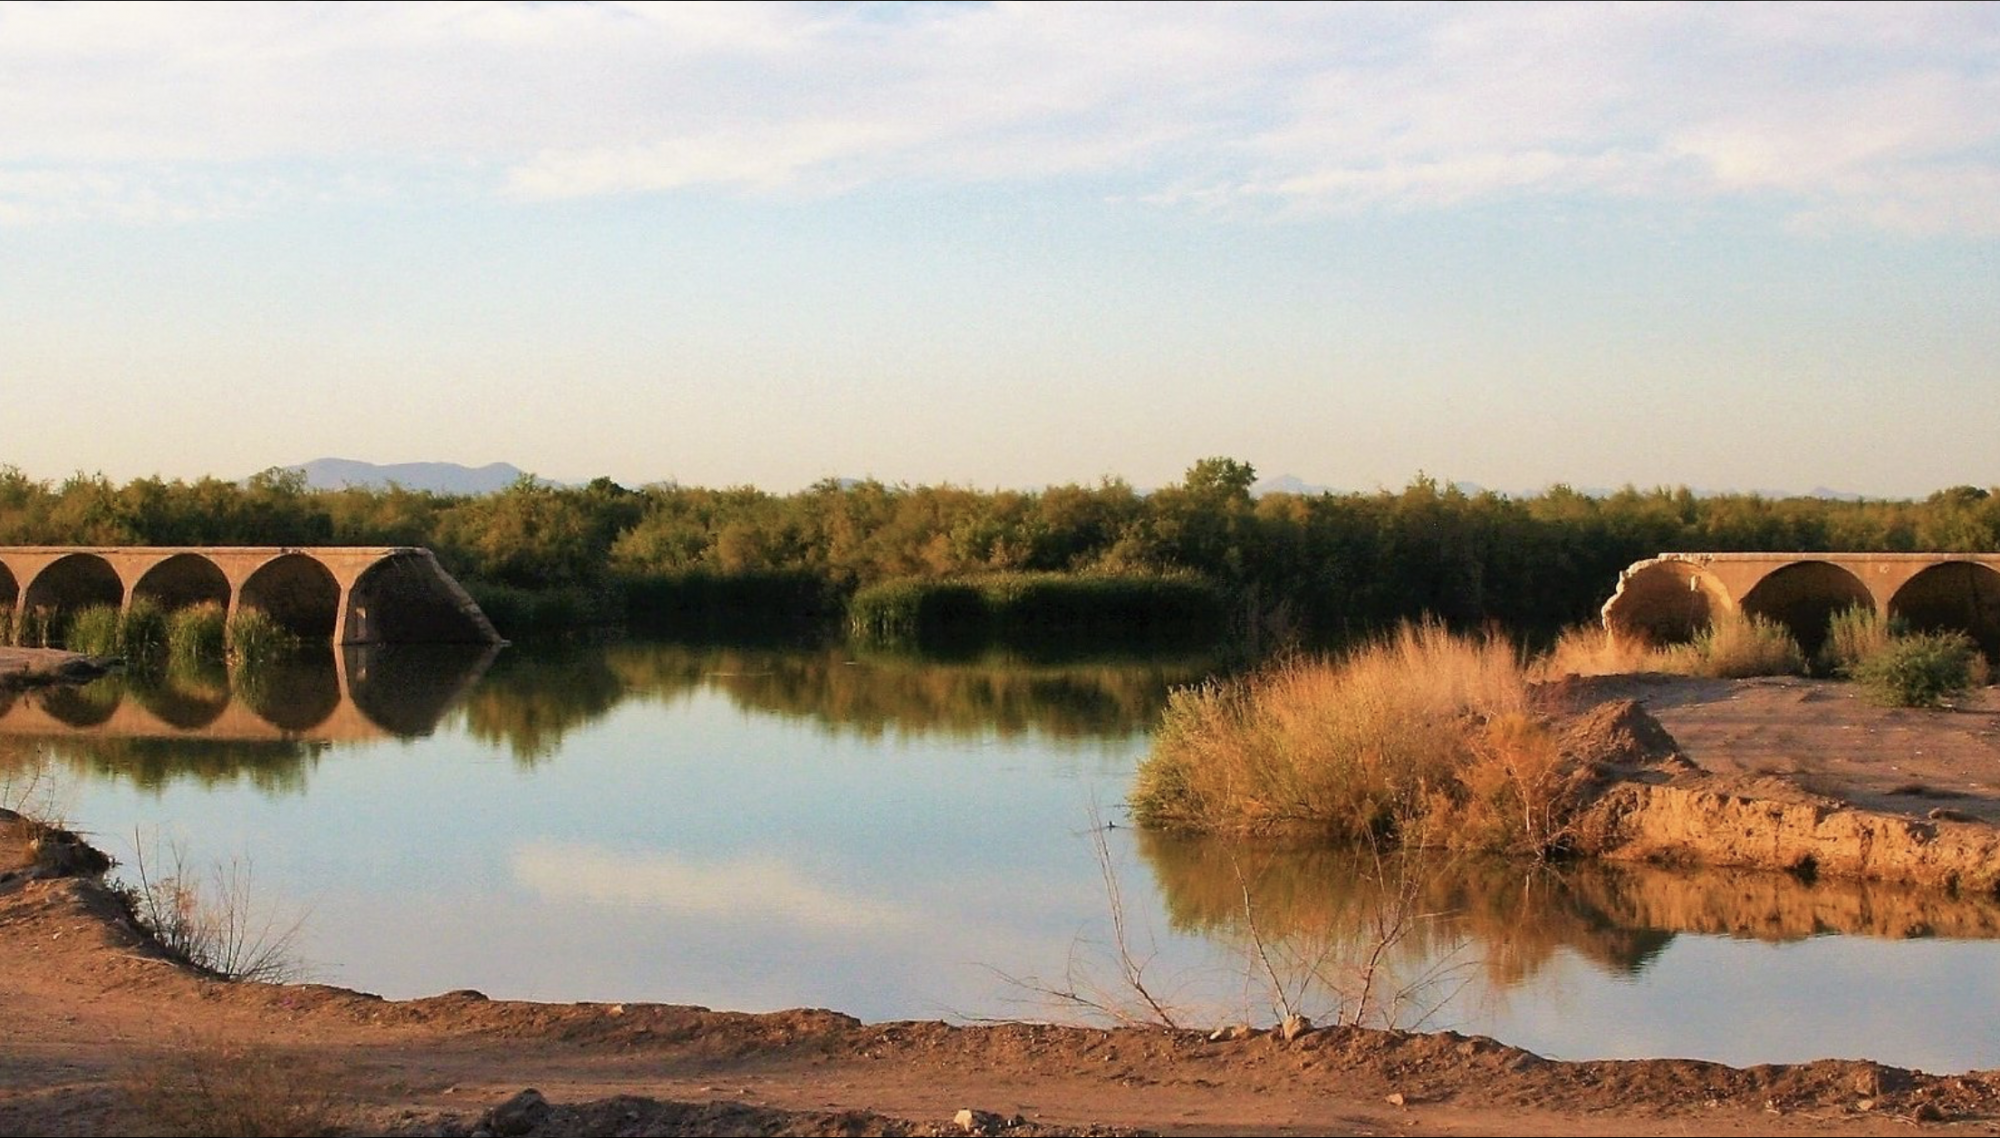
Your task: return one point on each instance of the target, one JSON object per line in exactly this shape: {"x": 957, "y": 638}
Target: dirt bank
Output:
{"x": 104, "y": 1036}
{"x": 38, "y": 667}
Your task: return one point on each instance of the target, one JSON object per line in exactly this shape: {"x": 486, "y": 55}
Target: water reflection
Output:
{"x": 266, "y": 726}
{"x": 529, "y": 702}
{"x": 1423, "y": 916}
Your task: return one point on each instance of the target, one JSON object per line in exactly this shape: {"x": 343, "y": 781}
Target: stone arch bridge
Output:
{"x": 1672, "y": 597}
{"x": 348, "y": 594}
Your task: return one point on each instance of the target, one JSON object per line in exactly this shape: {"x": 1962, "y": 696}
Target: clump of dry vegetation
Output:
{"x": 213, "y": 924}
{"x": 1422, "y": 737}
{"x": 1732, "y": 647}
{"x": 231, "y": 1089}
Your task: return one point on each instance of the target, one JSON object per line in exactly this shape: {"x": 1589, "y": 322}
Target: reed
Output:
{"x": 254, "y": 637}
{"x": 142, "y": 629}
{"x": 93, "y": 631}
{"x": 196, "y": 633}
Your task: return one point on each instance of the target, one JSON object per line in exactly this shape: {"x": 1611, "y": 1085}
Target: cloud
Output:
{"x": 761, "y": 885}
{"x": 1840, "y": 114}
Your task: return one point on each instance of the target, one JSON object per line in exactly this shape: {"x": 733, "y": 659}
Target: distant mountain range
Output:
{"x": 451, "y": 478}
{"x": 437, "y": 477}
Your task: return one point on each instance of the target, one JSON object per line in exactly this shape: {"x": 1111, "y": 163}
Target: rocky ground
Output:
{"x": 103, "y": 1035}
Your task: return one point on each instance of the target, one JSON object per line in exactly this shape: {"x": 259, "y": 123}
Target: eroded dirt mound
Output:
{"x": 1619, "y": 739}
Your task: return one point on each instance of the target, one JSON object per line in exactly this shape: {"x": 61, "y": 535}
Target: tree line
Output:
{"x": 1319, "y": 565}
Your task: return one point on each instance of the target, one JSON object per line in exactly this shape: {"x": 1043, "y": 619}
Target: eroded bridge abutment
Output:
{"x": 346, "y": 594}
{"x": 1671, "y": 598}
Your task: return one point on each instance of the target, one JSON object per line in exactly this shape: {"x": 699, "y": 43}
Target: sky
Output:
{"x": 1727, "y": 246}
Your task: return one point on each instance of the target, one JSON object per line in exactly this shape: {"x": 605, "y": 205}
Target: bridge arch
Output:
{"x": 184, "y": 703}
{"x": 68, "y": 584}
{"x": 1665, "y": 602}
{"x": 1961, "y": 595}
{"x": 182, "y": 580}
{"x": 1804, "y": 596}
{"x": 297, "y": 591}
{"x": 401, "y": 600}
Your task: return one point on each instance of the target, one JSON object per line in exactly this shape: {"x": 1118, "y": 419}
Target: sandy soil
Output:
{"x": 102, "y": 1035}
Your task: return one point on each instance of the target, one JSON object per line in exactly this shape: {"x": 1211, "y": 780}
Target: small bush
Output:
{"x": 213, "y": 926}
{"x": 1920, "y": 669}
{"x": 195, "y": 634}
{"x": 93, "y": 631}
{"x": 1854, "y": 634}
{"x": 255, "y": 637}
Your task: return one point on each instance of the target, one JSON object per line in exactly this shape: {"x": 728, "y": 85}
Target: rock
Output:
{"x": 978, "y": 1121}
{"x": 1928, "y": 1112}
{"x": 1395, "y": 1099}
{"x": 1294, "y": 1026}
{"x": 518, "y": 1115}
{"x": 1231, "y": 1032}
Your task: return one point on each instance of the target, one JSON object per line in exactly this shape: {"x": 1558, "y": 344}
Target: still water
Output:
{"x": 898, "y": 838}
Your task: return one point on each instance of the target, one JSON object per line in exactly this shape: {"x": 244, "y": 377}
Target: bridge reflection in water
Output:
{"x": 350, "y": 693}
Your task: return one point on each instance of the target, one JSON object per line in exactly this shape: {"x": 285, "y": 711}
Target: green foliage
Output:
{"x": 31, "y": 628}
{"x": 196, "y": 634}
{"x": 254, "y": 637}
{"x": 1919, "y": 669}
{"x": 93, "y": 631}
{"x": 1854, "y": 634}
{"x": 1324, "y": 567}
{"x": 1027, "y": 608}
{"x": 142, "y": 629}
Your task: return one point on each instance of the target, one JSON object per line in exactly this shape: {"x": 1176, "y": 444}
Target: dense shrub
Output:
{"x": 1919, "y": 669}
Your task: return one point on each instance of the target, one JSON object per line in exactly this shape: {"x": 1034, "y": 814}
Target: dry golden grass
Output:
{"x": 1387, "y": 742}
{"x": 228, "y": 1089}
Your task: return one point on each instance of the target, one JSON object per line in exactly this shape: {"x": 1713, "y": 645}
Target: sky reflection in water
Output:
{"x": 893, "y": 838}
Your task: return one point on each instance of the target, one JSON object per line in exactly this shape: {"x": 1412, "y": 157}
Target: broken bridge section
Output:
{"x": 1671, "y": 598}
{"x": 346, "y": 594}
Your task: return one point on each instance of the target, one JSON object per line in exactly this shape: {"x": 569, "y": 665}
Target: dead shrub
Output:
{"x": 234, "y": 1089}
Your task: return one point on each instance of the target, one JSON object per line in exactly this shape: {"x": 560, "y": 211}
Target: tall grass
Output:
{"x": 93, "y": 631}
{"x": 1854, "y": 634}
{"x": 196, "y": 633}
{"x": 1422, "y": 737}
{"x": 1735, "y": 646}
{"x": 255, "y": 637}
{"x": 31, "y": 628}
{"x": 142, "y": 629}
{"x": 139, "y": 631}
{"x": 7, "y": 625}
